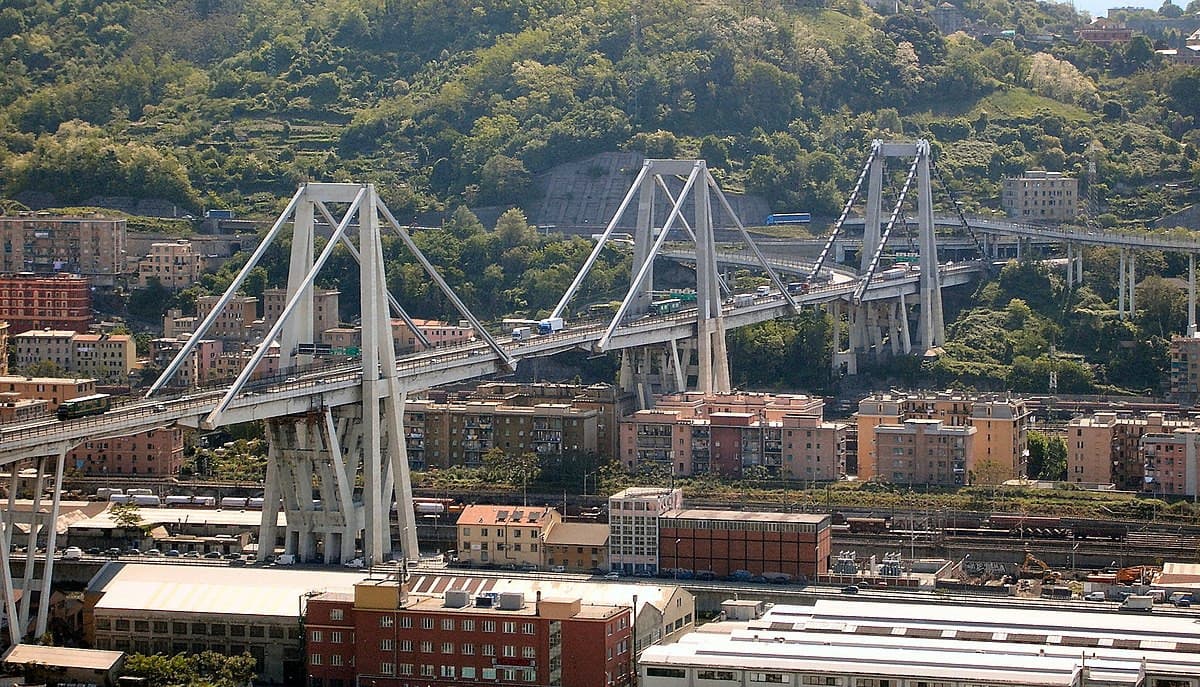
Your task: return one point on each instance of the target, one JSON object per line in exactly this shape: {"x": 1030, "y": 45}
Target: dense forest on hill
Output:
{"x": 446, "y": 103}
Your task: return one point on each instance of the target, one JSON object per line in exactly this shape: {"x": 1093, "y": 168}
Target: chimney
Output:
{"x": 537, "y": 603}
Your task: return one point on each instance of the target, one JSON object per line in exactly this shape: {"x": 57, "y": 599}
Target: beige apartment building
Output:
{"x": 1106, "y": 448}
{"x": 577, "y": 547}
{"x": 633, "y": 523}
{"x": 53, "y": 390}
{"x": 1041, "y": 195}
{"x": 998, "y": 449}
{"x": 155, "y": 453}
{"x": 926, "y": 451}
{"x": 105, "y": 357}
{"x": 43, "y": 345}
{"x": 235, "y": 322}
{"x": 92, "y": 247}
{"x": 325, "y": 309}
{"x": 438, "y": 333}
{"x": 445, "y": 434}
{"x": 200, "y": 365}
{"x": 505, "y": 535}
{"x": 175, "y": 265}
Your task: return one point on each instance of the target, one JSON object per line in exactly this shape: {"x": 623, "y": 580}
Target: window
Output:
{"x": 527, "y": 628}
{"x": 406, "y": 645}
{"x": 655, "y": 671}
{"x": 448, "y": 624}
{"x": 774, "y": 678}
{"x": 427, "y": 647}
{"x": 315, "y": 636}
{"x": 335, "y": 660}
{"x": 489, "y": 649}
{"x": 314, "y": 659}
{"x": 468, "y": 649}
{"x": 468, "y": 625}
{"x": 386, "y": 644}
{"x": 510, "y": 651}
{"x": 335, "y": 614}
{"x": 489, "y": 627}
{"x": 447, "y": 647}
{"x": 528, "y": 652}
{"x": 426, "y": 623}
{"x": 335, "y": 637}
{"x": 510, "y": 627}
{"x": 468, "y": 672}
{"x": 448, "y": 671}
{"x": 427, "y": 671}
{"x": 386, "y": 668}
{"x": 724, "y": 675}
{"x": 406, "y": 622}
{"x": 386, "y": 621}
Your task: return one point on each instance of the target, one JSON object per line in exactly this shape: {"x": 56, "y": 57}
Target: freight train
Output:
{"x": 1000, "y": 525}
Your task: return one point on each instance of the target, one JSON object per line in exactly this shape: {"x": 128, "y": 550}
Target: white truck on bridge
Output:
{"x": 550, "y": 325}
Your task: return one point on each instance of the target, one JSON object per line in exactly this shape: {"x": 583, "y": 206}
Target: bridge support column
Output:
{"x": 1121, "y": 288}
{"x": 933, "y": 328}
{"x": 1191, "y": 327}
{"x": 905, "y": 340}
{"x": 301, "y": 451}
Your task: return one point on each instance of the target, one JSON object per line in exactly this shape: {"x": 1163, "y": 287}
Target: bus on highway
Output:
{"x": 788, "y": 218}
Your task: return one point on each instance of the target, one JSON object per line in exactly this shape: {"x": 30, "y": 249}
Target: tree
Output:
{"x": 127, "y": 516}
{"x": 46, "y": 368}
{"x": 206, "y": 669}
{"x": 1047, "y": 456}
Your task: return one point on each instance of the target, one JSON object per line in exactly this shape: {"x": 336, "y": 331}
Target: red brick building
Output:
{"x": 722, "y": 542}
{"x": 61, "y": 301}
{"x": 382, "y": 637}
{"x": 158, "y": 452}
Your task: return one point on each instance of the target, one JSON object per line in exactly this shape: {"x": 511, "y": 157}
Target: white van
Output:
{"x": 285, "y": 559}
{"x": 72, "y": 553}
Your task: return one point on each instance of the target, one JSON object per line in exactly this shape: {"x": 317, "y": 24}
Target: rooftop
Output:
{"x": 607, "y": 594}
{"x": 983, "y": 643}
{"x": 182, "y": 516}
{"x": 505, "y": 515}
{"x": 746, "y": 516}
{"x": 65, "y": 657}
{"x": 211, "y": 590}
{"x": 578, "y": 533}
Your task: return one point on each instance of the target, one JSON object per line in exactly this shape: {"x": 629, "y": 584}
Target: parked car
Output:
{"x": 72, "y": 553}
{"x": 173, "y": 553}
{"x": 192, "y": 554}
{"x": 213, "y": 554}
{"x": 558, "y": 568}
{"x": 612, "y": 575}
{"x": 154, "y": 553}
{"x": 1094, "y": 596}
{"x": 850, "y": 589}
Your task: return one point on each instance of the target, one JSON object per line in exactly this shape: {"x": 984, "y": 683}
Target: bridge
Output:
{"x": 335, "y": 429}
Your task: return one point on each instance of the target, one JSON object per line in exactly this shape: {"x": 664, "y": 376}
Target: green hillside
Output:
{"x": 232, "y": 102}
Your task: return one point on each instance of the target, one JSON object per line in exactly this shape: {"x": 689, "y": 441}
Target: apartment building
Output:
{"x": 174, "y": 265}
{"x": 13, "y": 408}
{"x": 156, "y": 453}
{"x": 1041, "y": 195}
{"x": 53, "y": 390}
{"x": 105, "y": 357}
{"x": 633, "y": 522}
{"x": 325, "y": 309}
{"x": 61, "y": 301}
{"x": 383, "y": 636}
{"x": 723, "y": 542}
{"x": 438, "y": 333}
{"x": 607, "y": 400}
{"x": 576, "y": 547}
{"x": 236, "y": 320}
{"x": 1172, "y": 462}
{"x": 505, "y": 535}
{"x": 925, "y": 451}
{"x": 1105, "y": 32}
{"x": 93, "y": 247}
{"x": 800, "y": 447}
{"x": 1106, "y": 448}
{"x": 1185, "y": 369}
{"x": 44, "y": 345}
{"x": 445, "y": 434}
{"x": 998, "y": 448}
{"x": 198, "y": 367}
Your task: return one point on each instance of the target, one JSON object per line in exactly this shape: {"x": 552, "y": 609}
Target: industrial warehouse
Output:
{"x": 875, "y": 644}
